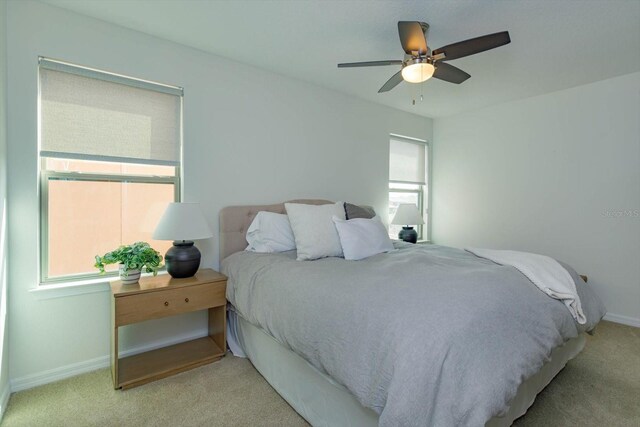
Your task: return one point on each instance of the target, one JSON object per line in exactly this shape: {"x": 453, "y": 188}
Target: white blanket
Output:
{"x": 544, "y": 272}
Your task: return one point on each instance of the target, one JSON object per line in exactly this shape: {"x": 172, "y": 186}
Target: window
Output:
{"x": 408, "y": 172}
{"x": 110, "y": 157}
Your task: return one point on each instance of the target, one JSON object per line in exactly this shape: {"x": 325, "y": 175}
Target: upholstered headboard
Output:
{"x": 235, "y": 220}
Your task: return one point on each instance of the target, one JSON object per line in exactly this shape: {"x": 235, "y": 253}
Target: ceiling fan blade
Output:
{"x": 369, "y": 63}
{"x": 394, "y": 81}
{"x": 449, "y": 73}
{"x": 412, "y": 36}
{"x": 472, "y": 46}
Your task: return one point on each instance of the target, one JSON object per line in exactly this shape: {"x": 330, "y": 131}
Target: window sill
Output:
{"x": 76, "y": 287}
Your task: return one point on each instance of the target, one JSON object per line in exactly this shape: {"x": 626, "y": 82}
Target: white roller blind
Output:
{"x": 407, "y": 161}
{"x": 91, "y": 115}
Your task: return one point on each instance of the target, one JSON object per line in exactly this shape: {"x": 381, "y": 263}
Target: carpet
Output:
{"x": 601, "y": 386}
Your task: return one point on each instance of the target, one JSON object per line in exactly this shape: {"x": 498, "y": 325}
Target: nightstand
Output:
{"x": 162, "y": 296}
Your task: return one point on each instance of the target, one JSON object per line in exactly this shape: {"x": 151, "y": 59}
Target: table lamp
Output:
{"x": 407, "y": 213}
{"x": 182, "y": 223}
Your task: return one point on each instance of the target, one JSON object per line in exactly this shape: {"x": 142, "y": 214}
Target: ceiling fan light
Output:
{"x": 418, "y": 72}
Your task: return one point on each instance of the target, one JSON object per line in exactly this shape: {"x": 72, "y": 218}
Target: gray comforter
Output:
{"x": 424, "y": 335}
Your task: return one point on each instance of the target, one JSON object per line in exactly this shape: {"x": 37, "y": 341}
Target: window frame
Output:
{"x": 424, "y": 203}
{"x": 420, "y": 193}
{"x": 45, "y": 175}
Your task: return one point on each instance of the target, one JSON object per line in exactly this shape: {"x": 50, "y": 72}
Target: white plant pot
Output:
{"x": 129, "y": 277}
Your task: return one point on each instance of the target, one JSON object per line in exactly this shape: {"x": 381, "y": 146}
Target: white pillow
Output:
{"x": 361, "y": 237}
{"x": 314, "y": 231}
{"x": 270, "y": 232}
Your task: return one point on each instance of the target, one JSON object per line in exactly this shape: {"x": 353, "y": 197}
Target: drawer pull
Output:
{"x": 166, "y": 303}
{"x": 186, "y": 300}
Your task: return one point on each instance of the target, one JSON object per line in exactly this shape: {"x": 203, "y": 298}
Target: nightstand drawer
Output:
{"x": 154, "y": 305}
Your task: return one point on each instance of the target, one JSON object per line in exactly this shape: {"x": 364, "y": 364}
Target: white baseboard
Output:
{"x": 5, "y": 393}
{"x": 625, "y": 320}
{"x": 57, "y": 374}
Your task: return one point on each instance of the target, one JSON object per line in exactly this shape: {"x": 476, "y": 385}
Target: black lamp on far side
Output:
{"x": 183, "y": 223}
{"x": 406, "y": 214}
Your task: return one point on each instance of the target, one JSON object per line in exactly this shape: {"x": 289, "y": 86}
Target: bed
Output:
{"x": 342, "y": 353}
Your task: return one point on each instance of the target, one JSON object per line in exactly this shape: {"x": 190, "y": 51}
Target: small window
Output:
{"x": 408, "y": 163}
{"x": 110, "y": 159}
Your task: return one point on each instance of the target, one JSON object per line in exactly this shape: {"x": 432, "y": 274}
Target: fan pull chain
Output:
{"x": 421, "y": 95}
{"x": 422, "y": 85}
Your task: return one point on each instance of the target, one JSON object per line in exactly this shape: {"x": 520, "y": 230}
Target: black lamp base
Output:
{"x": 182, "y": 259}
{"x": 408, "y": 234}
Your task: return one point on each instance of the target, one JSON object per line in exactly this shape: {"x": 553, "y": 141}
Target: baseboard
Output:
{"x": 57, "y": 374}
{"x": 5, "y": 393}
{"x": 625, "y": 320}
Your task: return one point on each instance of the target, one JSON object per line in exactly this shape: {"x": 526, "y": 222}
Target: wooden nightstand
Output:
{"x": 162, "y": 296}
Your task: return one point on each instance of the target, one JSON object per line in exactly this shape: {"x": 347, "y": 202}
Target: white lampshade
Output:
{"x": 418, "y": 72}
{"x": 407, "y": 214}
{"x": 182, "y": 221}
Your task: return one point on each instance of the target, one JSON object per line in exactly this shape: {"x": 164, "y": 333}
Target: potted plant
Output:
{"x": 132, "y": 259}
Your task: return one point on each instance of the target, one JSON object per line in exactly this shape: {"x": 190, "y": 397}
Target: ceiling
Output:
{"x": 555, "y": 44}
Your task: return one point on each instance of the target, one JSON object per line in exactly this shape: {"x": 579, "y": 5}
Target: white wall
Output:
{"x": 250, "y": 137}
{"x": 550, "y": 175}
{"x": 4, "y": 336}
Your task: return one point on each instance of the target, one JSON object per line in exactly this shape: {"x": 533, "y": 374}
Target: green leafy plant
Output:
{"x": 137, "y": 256}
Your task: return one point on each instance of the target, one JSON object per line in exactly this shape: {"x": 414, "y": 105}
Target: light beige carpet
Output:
{"x": 600, "y": 387}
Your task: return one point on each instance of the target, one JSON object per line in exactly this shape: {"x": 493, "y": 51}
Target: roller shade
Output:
{"x": 91, "y": 115}
{"x": 407, "y": 161}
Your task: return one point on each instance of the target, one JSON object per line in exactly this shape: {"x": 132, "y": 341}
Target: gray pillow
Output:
{"x": 354, "y": 211}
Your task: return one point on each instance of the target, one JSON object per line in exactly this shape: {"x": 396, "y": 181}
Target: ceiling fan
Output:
{"x": 421, "y": 63}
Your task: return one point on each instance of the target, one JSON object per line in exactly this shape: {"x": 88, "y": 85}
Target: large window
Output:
{"x": 408, "y": 175}
{"x": 110, "y": 157}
